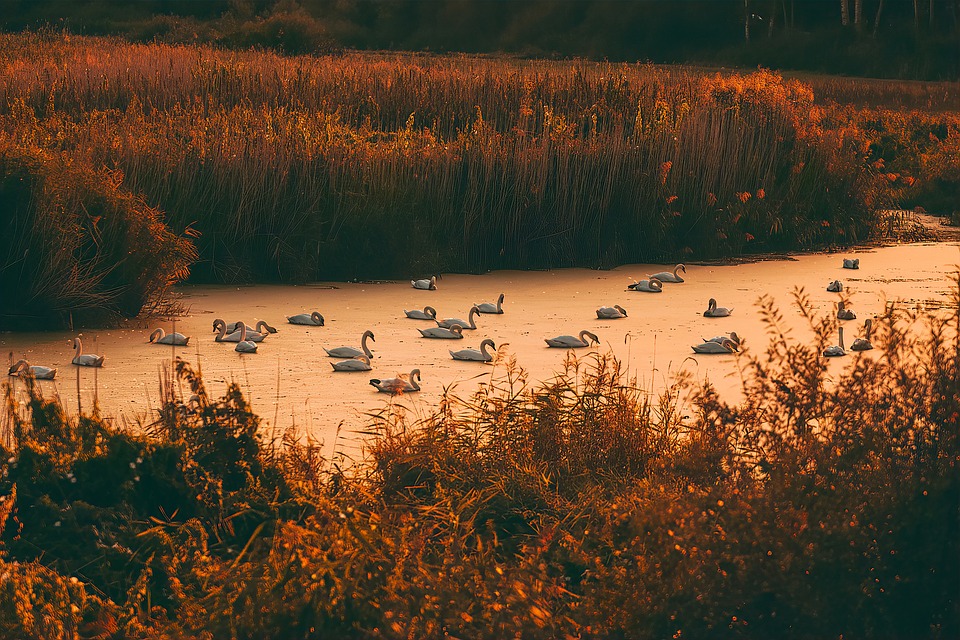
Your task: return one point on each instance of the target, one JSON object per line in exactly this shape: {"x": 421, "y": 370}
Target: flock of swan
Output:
{"x": 352, "y": 358}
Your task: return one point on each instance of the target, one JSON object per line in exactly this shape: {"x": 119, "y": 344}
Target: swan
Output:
{"x": 489, "y": 307}
{"x": 39, "y": 373}
{"x": 666, "y": 276}
{"x": 835, "y": 287}
{"x": 244, "y": 345}
{"x": 360, "y": 363}
{"x": 178, "y": 339}
{"x": 313, "y": 319}
{"x": 398, "y": 385}
{"x": 428, "y": 313}
{"x": 653, "y": 285}
{"x": 353, "y": 352}
{"x": 611, "y": 313}
{"x": 430, "y": 284}
{"x": 570, "y": 342}
{"x": 453, "y": 333}
{"x": 845, "y": 314}
{"x": 713, "y": 311}
{"x": 262, "y": 328}
{"x": 465, "y": 324}
{"x": 85, "y": 359}
{"x": 474, "y": 354}
{"x": 725, "y": 346}
{"x": 836, "y": 350}
{"x": 221, "y": 328}
{"x": 864, "y": 344}
{"x": 737, "y": 340}
{"x": 851, "y": 263}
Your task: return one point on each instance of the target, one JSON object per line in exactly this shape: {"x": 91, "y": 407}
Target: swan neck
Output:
{"x": 78, "y": 346}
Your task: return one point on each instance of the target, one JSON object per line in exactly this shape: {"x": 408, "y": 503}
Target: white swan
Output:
{"x": 724, "y": 346}
{"x": 312, "y": 319}
{"x": 178, "y": 339}
{"x": 480, "y": 355}
{"x": 453, "y": 333}
{"x": 262, "y": 327}
{"x": 221, "y": 328}
{"x": 398, "y": 385}
{"x": 730, "y": 336}
{"x": 353, "y": 352}
{"x": 836, "y": 350}
{"x": 835, "y": 287}
{"x": 464, "y": 324}
{"x": 244, "y": 345}
{"x": 851, "y": 263}
{"x": 652, "y": 285}
{"x": 489, "y": 307}
{"x": 360, "y": 363}
{"x": 428, "y": 313}
{"x": 845, "y": 314}
{"x": 713, "y": 311}
{"x": 430, "y": 284}
{"x": 611, "y": 313}
{"x": 666, "y": 276}
{"x": 570, "y": 342}
{"x": 85, "y": 359}
{"x": 38, "y": 372}
{"x": 864, "y": 344}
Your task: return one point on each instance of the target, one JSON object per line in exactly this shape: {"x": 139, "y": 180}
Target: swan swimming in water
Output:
{"x": 85, "y": 359}
{"x": 311, "y": 319}
{"x": 835, "y": 287}
{"x": 730, "y": 336}
{"x": 836, "y": 350}
{"x": 851, "y": 263}
{"x": 38, "y": 372}
{"x": 489, "y": 307}
{"x": 360, "y": 363}
{"x": 480, "y": 355}
{"x": 353, "y": 352}
{"x": 725, "y": 346}
{"x": 666, "y": 276}
{"x": 611, "y": 313}
{"x": 261, "y": 328}
{"x": 570, "y": 342}
{"x": 428, "y": 313}
{"x": 652, "y": 285}
{"x": 178, "y": 339}
{"x": 864, "y": 344}
{"x": 398, "y": 385}
{"x": 713, "y": 311}
{"x": 464, "y": 324}
{"x": 430, "y": 285}
{"x": 453, "y": 333}
{"x": 845, "y": 314}
{"x": 244, "y": 345}
{"x": 221, "y": 328}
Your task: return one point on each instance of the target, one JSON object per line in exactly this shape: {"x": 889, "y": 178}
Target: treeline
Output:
{"x": 892, "y": 38}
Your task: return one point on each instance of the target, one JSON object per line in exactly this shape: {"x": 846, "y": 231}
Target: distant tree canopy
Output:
{"x": 886, "y": 38}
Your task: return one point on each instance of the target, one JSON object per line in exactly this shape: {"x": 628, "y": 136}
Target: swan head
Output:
{"x": 17, "y": 366}
{"x": 317, "y": 317}
{"x": 620, "y": 309}
{"x": 430, "y": 311}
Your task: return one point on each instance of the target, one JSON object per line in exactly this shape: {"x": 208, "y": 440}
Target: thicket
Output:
{"x": 824, "y": 505}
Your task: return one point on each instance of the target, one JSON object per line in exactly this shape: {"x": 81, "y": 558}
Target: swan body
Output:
{"x": 312, "y": 319}
{"x": 864, "y": 344}
{"x": 428, "y": 313}
{"x": 430, "y": 285}
{"x": 653, "y": 285}
{"x": 666, "y": 276}
{"x": 178, "y": 339}
{"x": 480, "y": 355}
{"x": 394, "y": 386}
{"x": 844, "y": 313}
{"x": 261, "y": 328}
{"x": 489, "y": 307}
{"x": 611, "y": 313}
{"x": 737, "y": 340}
{"x": 851, "y": 263}
{"x": 835, "y": 287}
{"x": 245, "y": 346}
{"x": 85, "y": 359}
{"x": 236, "y": 336}
{"x": 360, "y": 363}
{"x": 713, "y": 311}
{"x": 725, "y": 346}
{"x": 570, "y": 342}
{"x": 38, "y": 372}
{"x": 353, "y": 352}
{"x": 470, "y": 323}
{"x": 453, "y": 333}
{"x": 836, "y": 350}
